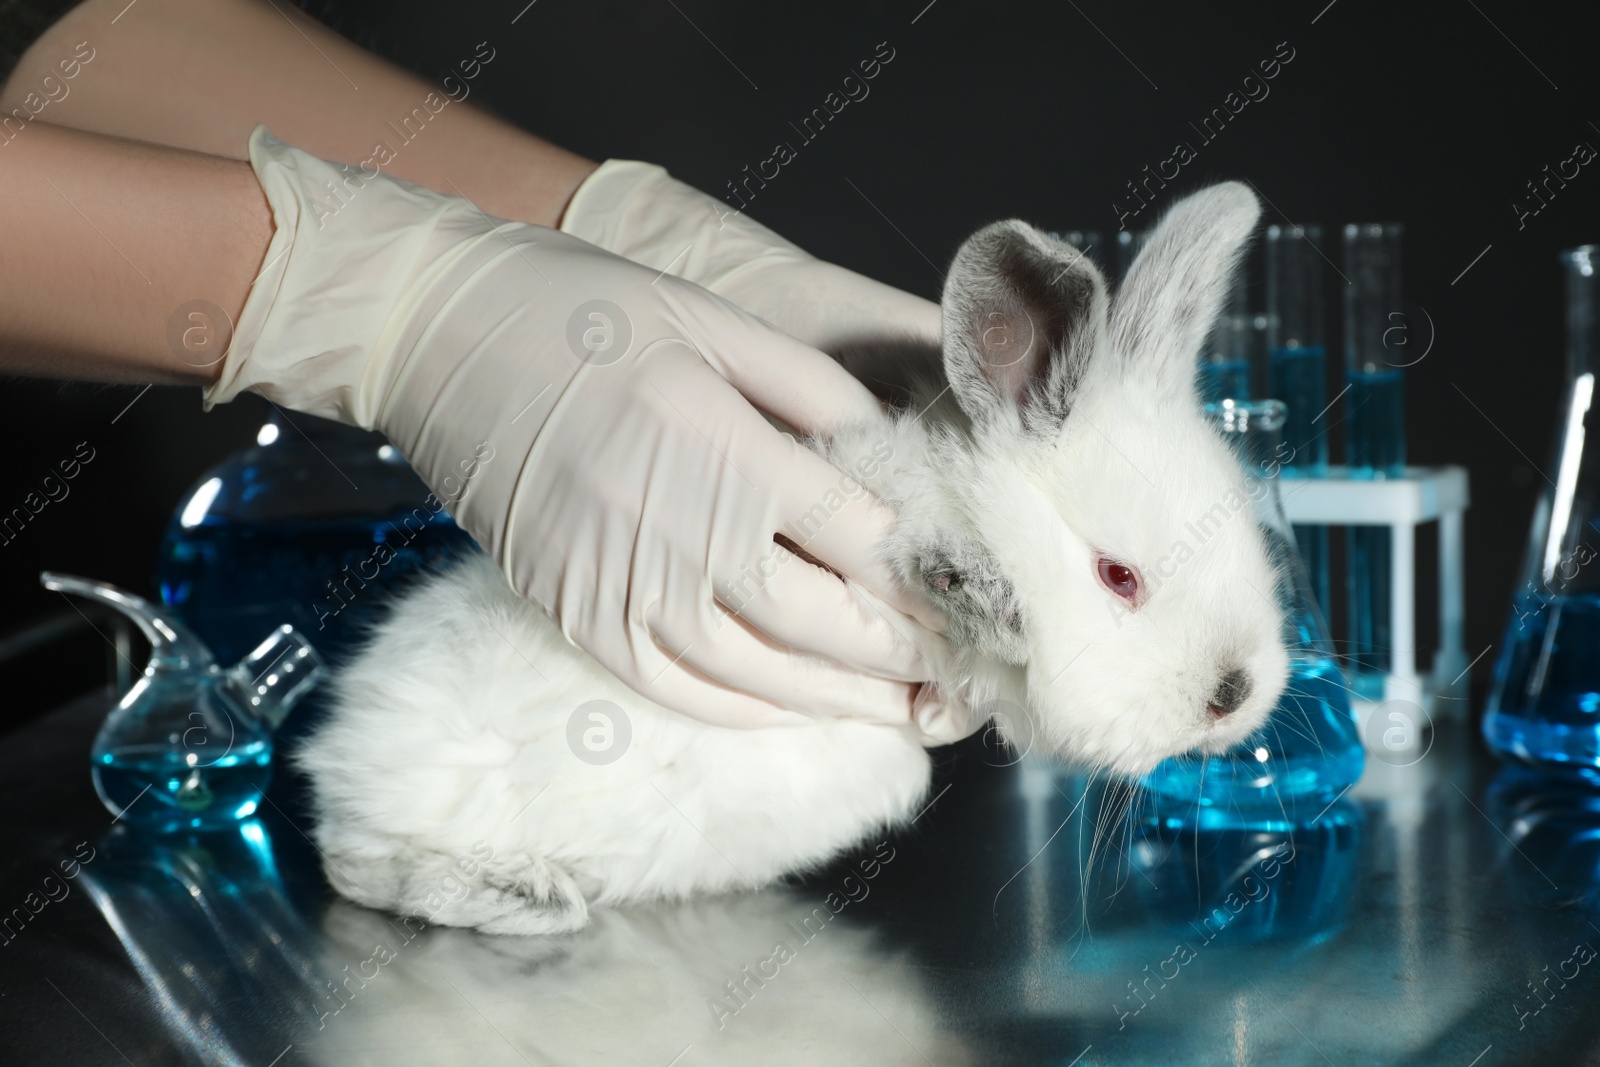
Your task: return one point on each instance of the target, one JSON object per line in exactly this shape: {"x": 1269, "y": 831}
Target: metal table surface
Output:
{"x": 1441, "y": 913}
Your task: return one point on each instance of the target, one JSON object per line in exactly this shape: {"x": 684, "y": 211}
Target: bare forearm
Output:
{"x": 110, "y": 244}
{"x": 201, "y": 75}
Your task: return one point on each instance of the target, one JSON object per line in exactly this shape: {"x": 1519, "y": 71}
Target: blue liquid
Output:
{"x": 1307, "y": 752}
{"x": 1377, "y": 446}
{"x": 1368, "y": 589}
{"x": 1298, "y": 377}
{"x": 1224, "y": 380}
{"x": 1377, "y": 432}
{"x": 1312, "y": 541}
{"x": 233, "y": 582}
{"x": 153, "y": 786}
{"x": 1545, "y": 707}
{"x": 1309, "y": 875}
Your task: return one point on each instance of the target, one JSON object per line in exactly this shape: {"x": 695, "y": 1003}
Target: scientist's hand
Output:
{"x": 587, "y": 420}
{"x": 639, "y": 211}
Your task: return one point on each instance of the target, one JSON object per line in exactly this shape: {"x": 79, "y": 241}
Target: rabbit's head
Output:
{"x": 1089, "y": 537}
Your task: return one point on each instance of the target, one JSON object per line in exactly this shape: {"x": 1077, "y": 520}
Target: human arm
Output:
{"x": 203, "y": 75}
{"x": 184, "y": 77}
{"x": 107, "y": 238}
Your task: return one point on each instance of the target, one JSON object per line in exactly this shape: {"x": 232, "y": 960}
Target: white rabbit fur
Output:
{"x": 1064, "y": 429}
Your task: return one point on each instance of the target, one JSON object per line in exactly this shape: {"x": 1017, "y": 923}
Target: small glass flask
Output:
{"x": 1544, "y": 708}
{"x": 189, "y": 747}
{"x": 1310, "y": 750}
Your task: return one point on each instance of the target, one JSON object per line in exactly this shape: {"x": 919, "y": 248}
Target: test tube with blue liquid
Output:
{"x": 1544, "y": 708}
{"x": 1297, "y": 372}
{"x": 1225, "y": 359}
{"x": 1375, "y": 437}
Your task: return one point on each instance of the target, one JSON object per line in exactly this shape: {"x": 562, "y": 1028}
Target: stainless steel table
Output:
{"x": 1442, "y": 913}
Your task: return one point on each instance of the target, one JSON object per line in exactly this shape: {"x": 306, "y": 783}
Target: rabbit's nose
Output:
{"x": 1231, "y": 692}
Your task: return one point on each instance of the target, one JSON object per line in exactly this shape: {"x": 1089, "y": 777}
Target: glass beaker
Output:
{"x": 1309, "y": 751}
{"x": 1545, "y": 704}
{"x": 1297, "y": 371}
{"x": 306, "y": 527}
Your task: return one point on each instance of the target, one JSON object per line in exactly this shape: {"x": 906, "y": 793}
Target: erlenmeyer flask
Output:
{"x": 1545, "y": 705}
{"x": 1309, "y": 751}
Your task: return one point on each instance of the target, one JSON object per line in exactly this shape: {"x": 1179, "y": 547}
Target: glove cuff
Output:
{"x": 640, "y": 212}
{"x": 347, "y": 246}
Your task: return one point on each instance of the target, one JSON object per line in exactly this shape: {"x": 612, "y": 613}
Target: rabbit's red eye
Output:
{"x": 1119, "y": 578}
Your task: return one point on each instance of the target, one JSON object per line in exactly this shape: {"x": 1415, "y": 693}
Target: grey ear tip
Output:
{"x": 1005, "y": 230}
{"x": 979, "y": 251}
{"x": 1240, "y": 197}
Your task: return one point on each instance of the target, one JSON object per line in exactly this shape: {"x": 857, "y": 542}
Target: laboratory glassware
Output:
{"x": 1297, "y": 372}
{"x": 1309, "y": 751}
{"x": 1545, "y": 704}
{"x": 1224, "y": 372}
{"x": 189, "y": 746}
{"x": 1374, "y": 434}
{"x": 309, "y": 526}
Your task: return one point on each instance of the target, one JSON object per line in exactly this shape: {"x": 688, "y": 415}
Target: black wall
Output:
{"x": 1429, "y": 114}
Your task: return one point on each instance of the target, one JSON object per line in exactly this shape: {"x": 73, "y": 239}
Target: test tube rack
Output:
{"x": 1423, "y": 495}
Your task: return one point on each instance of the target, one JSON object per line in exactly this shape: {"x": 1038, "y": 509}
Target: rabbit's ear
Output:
{"x": 1175, "y": 289}
{"x": 1023, "y": 314}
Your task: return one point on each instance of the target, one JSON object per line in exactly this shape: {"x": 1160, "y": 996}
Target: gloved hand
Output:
{"x": 639, "y": 211}
{"x": 582, "y": 417}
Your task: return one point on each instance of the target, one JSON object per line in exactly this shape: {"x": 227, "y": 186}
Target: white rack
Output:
{"x": 1421, "y": 496}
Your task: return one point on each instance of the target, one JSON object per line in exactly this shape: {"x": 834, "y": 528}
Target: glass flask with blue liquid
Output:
{"x": 309, "y": 527}
{"x": 1297, "y": 372}
{"x": 1309, "y": 751}
{"x": 189, "y": 746}
{"x": 1544, "y": 708}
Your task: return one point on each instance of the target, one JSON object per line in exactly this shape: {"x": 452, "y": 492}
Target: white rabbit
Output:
{"x": 1048, "y": 478}
{"x": 636, "y": 987}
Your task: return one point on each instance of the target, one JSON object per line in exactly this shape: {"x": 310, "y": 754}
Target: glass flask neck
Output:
{"x": 1254, "y": 430}
{"x": 171, "y": 643}
{"x": 1582, "y": 267}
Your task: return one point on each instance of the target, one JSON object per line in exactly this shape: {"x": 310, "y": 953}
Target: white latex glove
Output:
{"x": 582, "y": 417}
{"x": 639, "y": 211}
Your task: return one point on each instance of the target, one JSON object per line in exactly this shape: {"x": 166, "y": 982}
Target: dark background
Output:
{"x": 1429, "y": 114}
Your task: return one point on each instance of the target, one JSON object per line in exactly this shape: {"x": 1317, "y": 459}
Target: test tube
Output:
{"x": 1225, "y": 359}
{"x": 1297, "y": 372}
{"x": 1375, "y": 434}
